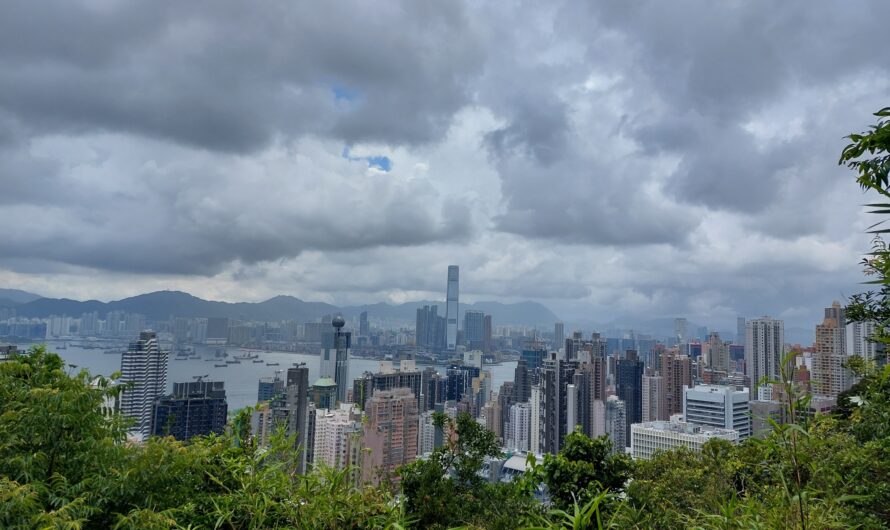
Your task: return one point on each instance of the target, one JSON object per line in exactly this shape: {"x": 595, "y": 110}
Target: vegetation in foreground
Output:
{"x": 63, "y": 464}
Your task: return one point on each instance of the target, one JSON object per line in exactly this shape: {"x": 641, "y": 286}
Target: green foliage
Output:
{"x": 583, "y": 468}
{"x": 63, "y": 464}
{"x": 446, "y": 489}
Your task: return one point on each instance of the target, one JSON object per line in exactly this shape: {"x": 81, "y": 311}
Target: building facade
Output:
{"x": 144, "y": 370}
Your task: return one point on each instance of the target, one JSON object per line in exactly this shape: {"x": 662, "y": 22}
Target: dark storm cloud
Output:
{"x": 231, "y": 76}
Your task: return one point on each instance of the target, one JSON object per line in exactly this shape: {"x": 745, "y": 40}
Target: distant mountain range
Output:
{"x": 161, "y": 305}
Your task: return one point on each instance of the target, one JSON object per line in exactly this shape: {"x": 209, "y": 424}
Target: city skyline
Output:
{"x": 598, "y": 185}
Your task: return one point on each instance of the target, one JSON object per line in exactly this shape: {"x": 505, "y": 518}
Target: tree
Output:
{"x": 583, "y": 468}
{"x": 446, "y": 489}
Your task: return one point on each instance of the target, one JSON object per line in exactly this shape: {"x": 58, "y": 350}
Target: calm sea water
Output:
{"x": 241, "y": 379}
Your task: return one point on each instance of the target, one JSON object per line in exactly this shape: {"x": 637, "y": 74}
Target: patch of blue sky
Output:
{"x": 381, "y": 162}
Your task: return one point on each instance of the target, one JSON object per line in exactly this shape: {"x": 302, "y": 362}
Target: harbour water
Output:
{"x": 241, "y": 379}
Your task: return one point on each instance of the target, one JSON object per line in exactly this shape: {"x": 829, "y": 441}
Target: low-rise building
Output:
{"x": 648, "y": 438}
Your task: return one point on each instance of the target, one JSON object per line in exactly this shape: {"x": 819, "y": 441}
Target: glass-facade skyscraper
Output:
{"x": 451, "y": 308}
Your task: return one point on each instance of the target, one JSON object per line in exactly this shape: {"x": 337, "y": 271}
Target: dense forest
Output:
{"x": 64, "y": 463}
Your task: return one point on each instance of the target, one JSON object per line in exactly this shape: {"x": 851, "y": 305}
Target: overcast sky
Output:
{"x": 613, "y": 160}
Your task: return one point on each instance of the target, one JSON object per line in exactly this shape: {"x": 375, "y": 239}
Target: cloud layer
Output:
{"x": 615, "y": 160}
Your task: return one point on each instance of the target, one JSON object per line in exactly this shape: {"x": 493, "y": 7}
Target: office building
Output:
{"x": 649, "y": 438}
{"x": 290, "y": 410}
{"x": 323, "y": 394}
{"x": 144, "y": 366}
{"x": 390, "y": 434}
{"x": 365, "y": 386}
{"x": 740, "y": 333}
{"x": 764, "y": 351}
{"x": 335, "y": 347}
{"x": 681, "y": 330}
{"x": 196, "y": 408}
{"x": 269, "y": 387}
{"x": 364, "y": 327}
{"x": 429, "y": 331}
{"x": 629, "y": 388}
{"x": 534, "y": 355}
{"x": 451, "y": 307}
{"x": 725, "y": 407}
{"x": 474, "y": 329}
{"x": 559, "y": 335}
{"x": 486, "y": 334}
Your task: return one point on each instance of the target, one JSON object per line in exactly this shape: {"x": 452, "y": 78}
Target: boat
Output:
{"x": 271, "y": 364}
{"x": 236, "y": 361}
{"x": 255, "y": 361}
{"x": 220, "y": 365}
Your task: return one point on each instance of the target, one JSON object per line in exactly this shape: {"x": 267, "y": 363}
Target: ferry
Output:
{"x": 220, "y": 365}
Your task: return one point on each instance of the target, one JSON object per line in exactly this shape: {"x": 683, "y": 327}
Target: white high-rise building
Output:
{"x": 332, "y": 431}
{"x": 144, "y": 366}
{"x": 517, "y": 438}
{"x": 451, "y": 307}
{"x": 647, "y": 438}
{"x": 599, "y": 418}
{"x": 719, "y": 406}
{"x": 857, "y": 336}
{"x": 764, "y": 350}
{"x": 426, "y": 433}
{"x": 616, "y": 423}
{"x": 534, "y": 436}
{"x": 654, "y": 406}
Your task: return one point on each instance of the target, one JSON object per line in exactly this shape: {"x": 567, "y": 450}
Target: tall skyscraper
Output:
{"x": 518, "y": 426}
{"x": 486, "y": 334}
{"x": 335, "y": 347}
{"x": 858, "y": 343}
{"x": 556, "y": 376}
{"x": 364, "y": 327}
{"x": 474, "y": 329}
{"x": 629, "y": 388}
{"x": 740, "y": 333}
{"x": 764, "y": 349}
{"x": 829, "y": 376}
{"x": 451, "y": 307}
{"x": 390, "y": 434}
{"x": 677, "y": 371}
{"x": 616, "y": 423}
{"x": 291, "y": 410}
{"x": 559, "y": 335}
{"x": 144, "y": 366}
{"x": 716, "y": 353}
{"x": 194, "y": 409}
{"x": 654, "y": 407}
{"x": 430, "y": 328}
{"x": 681, "y": 330}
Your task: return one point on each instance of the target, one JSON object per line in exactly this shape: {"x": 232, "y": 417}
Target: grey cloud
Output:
{"x": 229, "y": 76}
{"x": 191, "y": 217}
